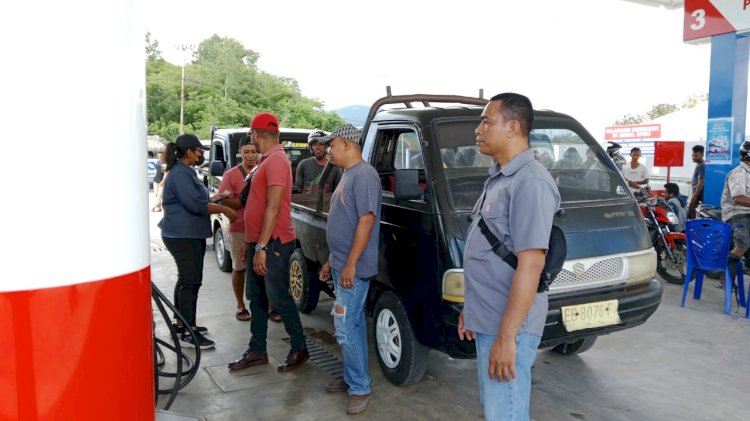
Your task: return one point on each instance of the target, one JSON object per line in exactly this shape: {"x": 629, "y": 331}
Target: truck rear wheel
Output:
{"x": 303, "y": 284}
{"x": 581, "y": 345}
{"x": 223, "y": 258}
{"x": 402, "y": 358}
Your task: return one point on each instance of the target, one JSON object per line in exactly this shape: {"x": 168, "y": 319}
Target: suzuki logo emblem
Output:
{"x": 579, "y": 269}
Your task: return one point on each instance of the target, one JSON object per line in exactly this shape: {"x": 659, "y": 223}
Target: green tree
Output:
{"x": 223, "y": 86}
{"x": 152, "y": 48}
{"x": 660, "y": 110}
{"x": 694, "y": 99}
{"x": 629, "y": 119}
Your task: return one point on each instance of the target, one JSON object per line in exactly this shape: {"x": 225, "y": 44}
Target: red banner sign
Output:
{"x": 669, "y": 154}
{"x": 640, "y": 131}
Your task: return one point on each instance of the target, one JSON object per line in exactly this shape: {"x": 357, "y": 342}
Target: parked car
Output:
{"x": 151, "y": 166}
{"x": 432, "y": 175}
{"x": 224, "y": 154}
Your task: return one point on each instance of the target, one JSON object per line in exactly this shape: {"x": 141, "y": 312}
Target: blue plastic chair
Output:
{"x": 708, "y": 244}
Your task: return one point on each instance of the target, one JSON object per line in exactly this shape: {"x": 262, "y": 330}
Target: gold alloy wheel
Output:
{"x": 295, "y": 280}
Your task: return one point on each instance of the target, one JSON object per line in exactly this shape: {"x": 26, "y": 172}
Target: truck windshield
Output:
{"x": 582, "y": 172}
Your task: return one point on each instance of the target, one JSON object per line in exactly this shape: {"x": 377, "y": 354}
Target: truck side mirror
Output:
{"x": 406, "y": 184}
{"x": 217, "y": 168}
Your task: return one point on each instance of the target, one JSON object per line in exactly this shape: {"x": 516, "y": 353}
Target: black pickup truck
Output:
{"x": 432, "y": 173}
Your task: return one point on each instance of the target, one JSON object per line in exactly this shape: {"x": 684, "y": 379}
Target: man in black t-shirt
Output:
{"x": 696, "y": 191}
{"x": 310, "y": 169}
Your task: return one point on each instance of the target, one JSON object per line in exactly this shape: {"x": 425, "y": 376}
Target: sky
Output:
{"x": 596, "y": 60}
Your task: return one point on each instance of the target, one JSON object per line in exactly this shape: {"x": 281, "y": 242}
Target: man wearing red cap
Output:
{"x": 269, "y": 238}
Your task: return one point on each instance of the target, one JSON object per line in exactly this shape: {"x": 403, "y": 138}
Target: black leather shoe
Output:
{"x": 293, "y": 360}
{"x": 249, "y": 359}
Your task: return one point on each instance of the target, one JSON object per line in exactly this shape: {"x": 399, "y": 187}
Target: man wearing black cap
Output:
{"x": 269, "y": 238}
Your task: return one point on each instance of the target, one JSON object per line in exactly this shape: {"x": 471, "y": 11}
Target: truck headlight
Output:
{"x": 672, "y": 218}
{"x": 641, "y": 267}
{"x": 453, "y": 285}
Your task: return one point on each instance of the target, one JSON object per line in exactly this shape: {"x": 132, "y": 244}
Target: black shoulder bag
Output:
{"x": 248, "y": 178}
{"x": 553, "y": 261}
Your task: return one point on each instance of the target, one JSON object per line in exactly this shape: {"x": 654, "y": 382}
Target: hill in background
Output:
{"x": 355, "y": 114}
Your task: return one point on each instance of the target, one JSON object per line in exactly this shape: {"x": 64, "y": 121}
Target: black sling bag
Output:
{"x": 553, "y": 261}
{"x": 248, "y": 178}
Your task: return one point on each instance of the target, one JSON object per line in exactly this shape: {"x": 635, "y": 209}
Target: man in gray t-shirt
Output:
{"x": 352, "y": 234}
{"x": 502, "y": 310}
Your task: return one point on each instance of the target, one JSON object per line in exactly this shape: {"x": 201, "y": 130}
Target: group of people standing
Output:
{"x": 262, "y": 237}
{"x": 503, "y": 312}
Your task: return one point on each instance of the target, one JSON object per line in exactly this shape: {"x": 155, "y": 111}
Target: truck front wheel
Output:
{"x": 581, "y": 345}
{"x": 223, "y": 258}
{"x": 303, "y": 284}
{"x": 402, "y": 358}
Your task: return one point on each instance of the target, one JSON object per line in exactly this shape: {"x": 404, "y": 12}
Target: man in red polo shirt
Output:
{"x": 269, "y": 235}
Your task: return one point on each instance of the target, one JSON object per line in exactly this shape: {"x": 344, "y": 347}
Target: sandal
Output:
{"x": 274, "y": 316}
{"x": 242, "y": 315}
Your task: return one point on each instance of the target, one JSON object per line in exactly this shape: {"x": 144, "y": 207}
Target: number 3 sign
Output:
{"x": 704, "y": 18}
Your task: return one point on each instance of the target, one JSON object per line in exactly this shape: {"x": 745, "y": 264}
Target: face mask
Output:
{"x": 201, "y": 160}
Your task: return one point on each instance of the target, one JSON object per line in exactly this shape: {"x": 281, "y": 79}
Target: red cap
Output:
{"x": 265, "y": 121}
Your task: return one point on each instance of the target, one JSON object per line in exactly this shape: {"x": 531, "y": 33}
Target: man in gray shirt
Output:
{"x": 735, "y": 204}
{"x": 502, "y": 310}
{"x": 353, "y": 261}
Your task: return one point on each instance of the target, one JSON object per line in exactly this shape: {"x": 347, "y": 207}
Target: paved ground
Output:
{"x": 685, "y": 363}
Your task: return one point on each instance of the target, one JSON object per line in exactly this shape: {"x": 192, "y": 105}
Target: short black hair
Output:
{"x": 516, "y": 107}
{"x": 672, "y": 188}
{"x": 698, "y": 149}
{"x": 246, "y": 140}
{"x": 636, "y": 149}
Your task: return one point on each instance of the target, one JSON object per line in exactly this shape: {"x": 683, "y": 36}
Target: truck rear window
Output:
{"x": 581, "y": 169}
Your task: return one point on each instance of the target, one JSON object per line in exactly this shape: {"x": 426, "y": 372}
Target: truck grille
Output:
{"x": 601, "y": 271}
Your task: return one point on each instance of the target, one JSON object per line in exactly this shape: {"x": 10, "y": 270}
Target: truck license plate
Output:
{"x": 587, "y": 316}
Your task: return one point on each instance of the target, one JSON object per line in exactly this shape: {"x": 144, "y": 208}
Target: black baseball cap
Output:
{"x": 186, "y": 142}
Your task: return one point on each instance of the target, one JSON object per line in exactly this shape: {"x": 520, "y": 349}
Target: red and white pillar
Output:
{"x": 75, "y": 308}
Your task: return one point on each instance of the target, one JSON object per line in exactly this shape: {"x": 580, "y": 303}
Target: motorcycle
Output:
{"x": 706, "y": 211}
{"x": 670, "y": 246}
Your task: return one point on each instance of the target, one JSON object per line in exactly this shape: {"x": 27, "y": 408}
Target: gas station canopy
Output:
{"x": 667, "y": 4}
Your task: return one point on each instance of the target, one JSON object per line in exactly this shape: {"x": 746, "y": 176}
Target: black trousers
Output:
{"x": 188, "y": 255}
{"x": 273, "y": 287}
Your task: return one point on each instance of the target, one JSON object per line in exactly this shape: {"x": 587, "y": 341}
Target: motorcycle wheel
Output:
{"x": 672, "y": 271}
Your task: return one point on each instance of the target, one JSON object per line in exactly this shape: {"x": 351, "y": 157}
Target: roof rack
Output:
{"x": 426, "y": 100}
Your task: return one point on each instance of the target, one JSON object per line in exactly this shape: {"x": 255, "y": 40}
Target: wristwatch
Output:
{"x": 260, "y": 247}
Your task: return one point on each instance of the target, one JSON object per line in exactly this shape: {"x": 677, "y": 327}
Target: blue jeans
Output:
{"x": 503, "y": 400}
{"x": 351, "y": 333}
